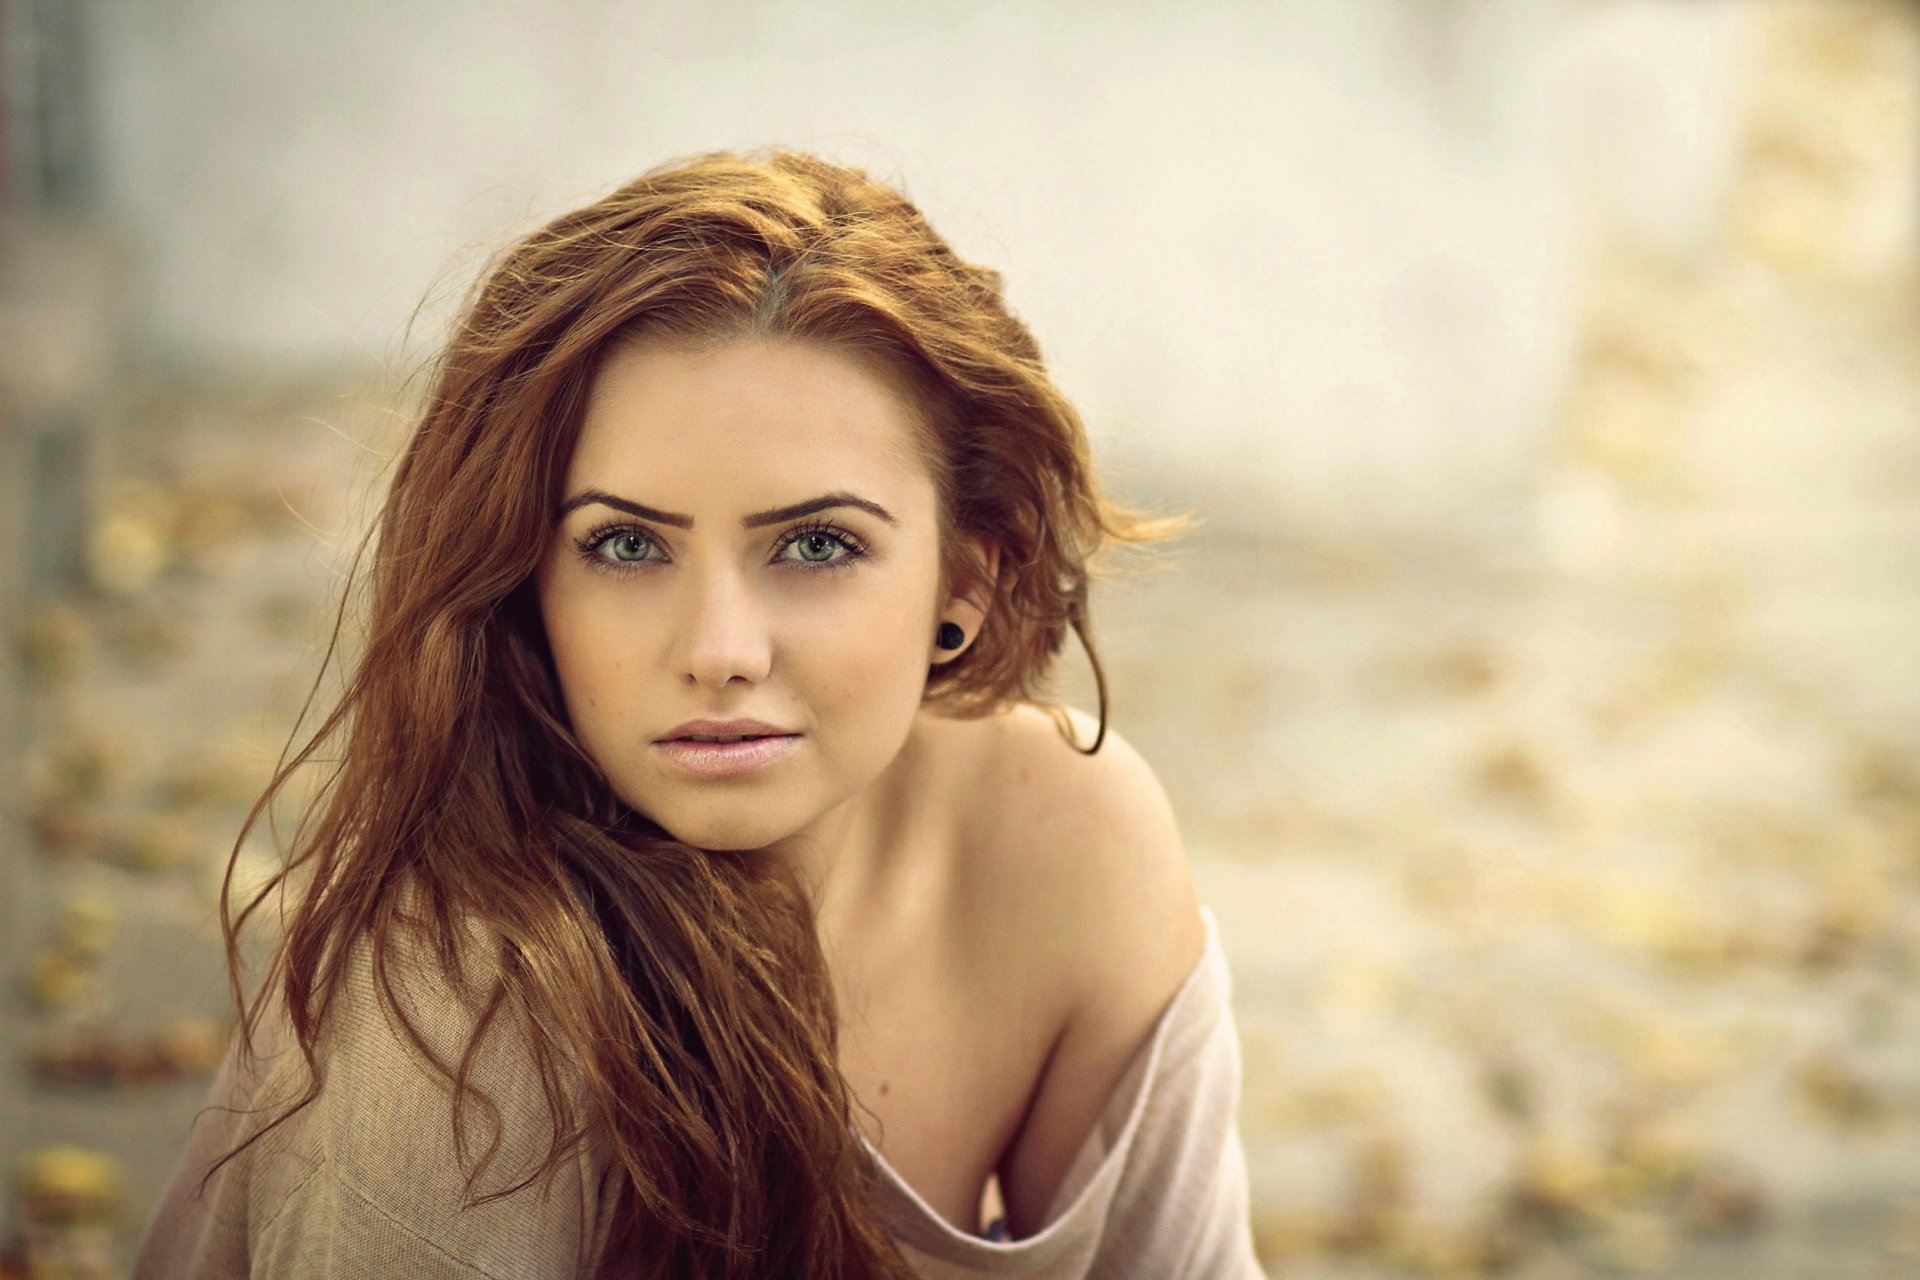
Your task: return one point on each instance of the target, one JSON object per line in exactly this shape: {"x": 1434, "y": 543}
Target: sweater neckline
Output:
{"x": 1095, "y": 1164}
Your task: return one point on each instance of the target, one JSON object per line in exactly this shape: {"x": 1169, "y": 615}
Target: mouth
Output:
{"x": 715, "y": 729}
{"x": 727, "y": 757}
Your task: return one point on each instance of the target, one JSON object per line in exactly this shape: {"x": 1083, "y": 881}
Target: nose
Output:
{"x": 721, "y": 633}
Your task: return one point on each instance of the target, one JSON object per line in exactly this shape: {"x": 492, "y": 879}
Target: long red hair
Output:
{"x": 674, "y": 999}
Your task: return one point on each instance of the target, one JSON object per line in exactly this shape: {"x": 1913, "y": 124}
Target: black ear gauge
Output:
{"x": 951, "y": 636}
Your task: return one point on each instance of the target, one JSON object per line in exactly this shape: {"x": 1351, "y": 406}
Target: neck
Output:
{"x": 847, "y": 860}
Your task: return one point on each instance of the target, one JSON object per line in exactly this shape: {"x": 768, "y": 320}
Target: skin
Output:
{"x": 668, "y": 624}
{"x": 1052, "y": 924}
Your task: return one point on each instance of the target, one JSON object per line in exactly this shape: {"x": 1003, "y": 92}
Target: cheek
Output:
{"x": 598, "y": 675}
{"x": 587, "y": 666}
{"x": 867, "y": 665}
{"x": 588, "y": 676}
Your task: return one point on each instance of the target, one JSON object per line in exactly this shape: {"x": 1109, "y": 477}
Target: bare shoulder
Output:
{"x": 1091, "y": 848}
{"x": 1096, "y": 894}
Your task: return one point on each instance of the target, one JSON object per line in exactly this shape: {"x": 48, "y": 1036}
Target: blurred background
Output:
{"x": 1539, "y": 697}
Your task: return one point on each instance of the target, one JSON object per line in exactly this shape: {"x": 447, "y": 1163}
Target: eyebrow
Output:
{"x": 754, "y": 521}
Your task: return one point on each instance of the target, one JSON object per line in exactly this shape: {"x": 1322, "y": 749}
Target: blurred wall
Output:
{"x": 1326, "y": 249}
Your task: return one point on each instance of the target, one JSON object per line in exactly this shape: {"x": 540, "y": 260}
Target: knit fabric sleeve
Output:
{"x": 367, "y": 1180}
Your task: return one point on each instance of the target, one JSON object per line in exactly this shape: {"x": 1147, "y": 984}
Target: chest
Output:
{"x": 942, "y": 1054}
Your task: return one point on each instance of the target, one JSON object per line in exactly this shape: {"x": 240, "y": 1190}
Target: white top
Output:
{"x": 364, "y": 1180}
{"x": 1158, "y": 1189}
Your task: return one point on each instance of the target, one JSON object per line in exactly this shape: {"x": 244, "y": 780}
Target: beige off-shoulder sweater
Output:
{"x": 365, "y": 1181}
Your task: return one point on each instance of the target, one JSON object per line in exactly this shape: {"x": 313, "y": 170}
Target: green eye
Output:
{"x": 619, "y": 548}
{"x": 816, "y": 542}
{"x": 818, "y": 546}
{"x": 629, "y": 547}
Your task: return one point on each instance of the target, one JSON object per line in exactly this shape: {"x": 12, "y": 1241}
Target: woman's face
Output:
{"x": 746, "y": 533}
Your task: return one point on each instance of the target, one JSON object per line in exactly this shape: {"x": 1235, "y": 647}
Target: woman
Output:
{"x": 704, "y": 887}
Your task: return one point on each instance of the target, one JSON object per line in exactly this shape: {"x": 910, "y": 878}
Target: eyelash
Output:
{"x": 589, "y": 547}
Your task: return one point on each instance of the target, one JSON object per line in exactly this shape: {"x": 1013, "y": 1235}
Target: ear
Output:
{"x": 969, "y": 609}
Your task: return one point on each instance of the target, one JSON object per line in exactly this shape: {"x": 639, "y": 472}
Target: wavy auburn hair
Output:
{"x": 675, "y": 1000}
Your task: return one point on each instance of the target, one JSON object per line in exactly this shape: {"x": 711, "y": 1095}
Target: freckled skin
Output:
{"x": 669, "y": 624}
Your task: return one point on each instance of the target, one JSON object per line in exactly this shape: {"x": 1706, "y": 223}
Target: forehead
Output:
{"x": 753, "y": 413}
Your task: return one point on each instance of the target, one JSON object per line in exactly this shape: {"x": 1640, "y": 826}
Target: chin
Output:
{"x": 723, "y": 836}
{"x": 724, "y": 843}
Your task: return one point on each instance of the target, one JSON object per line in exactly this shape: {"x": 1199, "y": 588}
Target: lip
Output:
{"x": 722, "y": 729}
{"x": 728, "y": 759}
